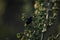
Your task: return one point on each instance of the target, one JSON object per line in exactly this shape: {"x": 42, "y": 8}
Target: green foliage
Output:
{"x": 40, "y": 21}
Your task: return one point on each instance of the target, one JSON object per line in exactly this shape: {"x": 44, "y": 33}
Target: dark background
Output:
{"x": 12, "y": 23}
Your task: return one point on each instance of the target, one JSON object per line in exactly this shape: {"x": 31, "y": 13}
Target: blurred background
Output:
{"x": 10, "y": 17}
